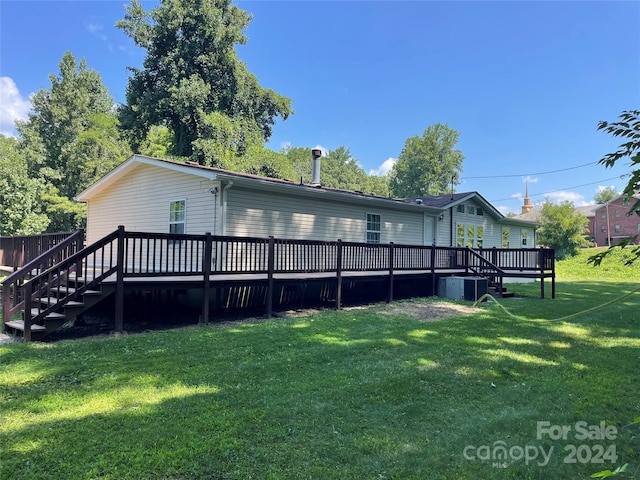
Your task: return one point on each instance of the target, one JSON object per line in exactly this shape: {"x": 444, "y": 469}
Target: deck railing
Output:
{"x": 136, "y": 254}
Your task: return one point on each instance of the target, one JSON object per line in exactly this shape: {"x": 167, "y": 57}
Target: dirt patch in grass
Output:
{"x": 424, "y": 311}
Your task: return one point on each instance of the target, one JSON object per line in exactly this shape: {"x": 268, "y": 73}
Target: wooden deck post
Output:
{"x": 270, "y": 268}
{"x": 206, "y": 272}
{"x": 119, "y": 313}
{"x": 390, "y": 296}
{"x": 433, "y": 271}
{"x": 339, "y": 274}
{"x": 541, "y": 261}
{"x": 28, "y": 292}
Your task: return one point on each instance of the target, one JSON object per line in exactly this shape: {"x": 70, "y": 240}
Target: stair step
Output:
{"x": 52, "y": 315}
{"x": 19, "y": 325}
{"x": 54, "y": 300}
{"x": 69, "y": 290}
{"x": 508, "y": 294}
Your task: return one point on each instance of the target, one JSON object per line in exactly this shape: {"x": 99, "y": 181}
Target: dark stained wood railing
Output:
{"x": 137, "y": 254}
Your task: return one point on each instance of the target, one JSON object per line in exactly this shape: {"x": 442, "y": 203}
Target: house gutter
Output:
{"x": 224, "y": 206}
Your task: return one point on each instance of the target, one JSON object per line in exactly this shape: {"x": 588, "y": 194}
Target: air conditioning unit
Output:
{"x": 462, "y": 288}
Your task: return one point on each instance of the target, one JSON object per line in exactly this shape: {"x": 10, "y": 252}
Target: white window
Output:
{"x": 468, "y": 235}
{"x": 524, "y": 238}
{"x": 603, "y": 228}
{"x": 617, "y": 228}
{"x": 603, "y": 214}
{"x": 177, "y": 216}
{"x": 479, "y": 211}
{"x": 460, "y": 209}
{"x": 373, "y": 228}
{"x": 639, "y": 227}
{"x": 471, "y": 210}
{"x": 617, "y": 213}
{"x": 505, "y": 238}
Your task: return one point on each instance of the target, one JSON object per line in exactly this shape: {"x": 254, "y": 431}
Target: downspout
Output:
{"x": 451, "y": 226}
{"x": 224, "y": 206}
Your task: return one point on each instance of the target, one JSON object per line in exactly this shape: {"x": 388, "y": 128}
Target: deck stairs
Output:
{"x": 63, "y": 312}
{"x": 55, "y": 289}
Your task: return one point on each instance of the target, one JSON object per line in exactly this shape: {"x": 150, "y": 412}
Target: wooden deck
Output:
{"x": 134, "y": 260}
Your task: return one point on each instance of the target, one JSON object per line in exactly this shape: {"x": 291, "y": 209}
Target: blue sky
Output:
{"x": 525, "y": 83}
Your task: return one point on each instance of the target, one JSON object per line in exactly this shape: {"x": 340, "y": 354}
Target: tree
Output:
{"x": 70, "y": 139}
{"x": 193, "y": 82}
{"x": 628, "y": 128}
{"x": 605, "y": 194}
{"x": 562, "y": 228}
{"x": 20, "y": 211}
{"x": 428, "y": 164}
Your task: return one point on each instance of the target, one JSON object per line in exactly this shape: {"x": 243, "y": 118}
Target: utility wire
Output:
{"x": 530, "y": 174}
{"x": 561, "y": 189}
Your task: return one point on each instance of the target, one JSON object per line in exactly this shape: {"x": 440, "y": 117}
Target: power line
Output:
{"x": 562, "y": 189}
{"x": 531, "y": 174}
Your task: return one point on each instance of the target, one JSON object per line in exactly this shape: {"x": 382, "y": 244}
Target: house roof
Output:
{"x": 434, "y": 204}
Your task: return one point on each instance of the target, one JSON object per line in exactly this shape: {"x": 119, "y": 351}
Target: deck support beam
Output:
{"x": 270, "y": 268}
{"x": 339, "y": 275}
{"x": 206, "y": 272}
{"x": 119, "y": 313}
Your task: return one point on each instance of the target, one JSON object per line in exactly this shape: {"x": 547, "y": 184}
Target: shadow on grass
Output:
{"x": 349, "y": 394}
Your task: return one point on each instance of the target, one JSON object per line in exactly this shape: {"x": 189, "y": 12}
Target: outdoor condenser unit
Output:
{"x": 462, "y": 288}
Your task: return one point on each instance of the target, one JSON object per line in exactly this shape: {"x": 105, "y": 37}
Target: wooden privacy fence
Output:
{"x": 123, "y": 254}
{"x": 17, "y": 251}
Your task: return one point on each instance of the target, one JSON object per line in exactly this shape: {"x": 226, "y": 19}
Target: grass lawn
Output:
{"x": 353, "y": 394}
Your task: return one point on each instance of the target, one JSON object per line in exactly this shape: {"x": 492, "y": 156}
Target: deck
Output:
{"x": 63, "y": 278}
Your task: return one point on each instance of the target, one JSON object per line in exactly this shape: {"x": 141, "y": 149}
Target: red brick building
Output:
{"x": 611, "y": 222}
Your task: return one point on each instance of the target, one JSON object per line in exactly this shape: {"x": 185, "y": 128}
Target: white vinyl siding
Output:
{"x": 140, "y": 203}
{"x": 260, "y": 213}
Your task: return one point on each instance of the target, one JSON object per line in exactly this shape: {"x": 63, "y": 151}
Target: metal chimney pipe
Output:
{"x": 315, "y": 170}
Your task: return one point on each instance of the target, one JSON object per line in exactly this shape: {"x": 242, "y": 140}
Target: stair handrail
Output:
{"x": 14, "y": 283}
{"x": 497, "y": 271}
{"x": 50, "y": 278}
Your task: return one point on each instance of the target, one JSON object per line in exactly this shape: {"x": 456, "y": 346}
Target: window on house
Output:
{"x": 479, "y": 211}
{"x": 639, "y": 227}
{"x": 177, "y": 216}
{"x": 625, "y": 201}
{"x": 603, "y": 228}
{"x": 505, "y": 238}
{"x": 460, "y": 209}
{"x": 603, "y": 214}
{"x": 617, "y": 228}
{"x": 524, "y": 238}
{"x": 469, "y": 235}
{"x": 373, "y": 228}
{"x": 617, "y": 213}
{"x": 471, "y": 209}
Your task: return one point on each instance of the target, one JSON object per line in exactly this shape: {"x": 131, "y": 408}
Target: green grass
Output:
{"x": 350, "y": 394}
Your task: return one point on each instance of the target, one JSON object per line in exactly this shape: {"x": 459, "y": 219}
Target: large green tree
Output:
{"x": 20, "y": 209}
{"x": 193, "y": 83}
{"x": 428, "y": 164}
{"x": 627, "y": 128}
{"x": 70, "y": 139}
{"x": 562, "y": 228}
{"x": 605, "y": 194}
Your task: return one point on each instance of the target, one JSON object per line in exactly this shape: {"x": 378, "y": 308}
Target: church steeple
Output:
{"x": 527, "y": 207}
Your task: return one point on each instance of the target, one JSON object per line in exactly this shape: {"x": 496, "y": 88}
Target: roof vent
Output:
{"x": 315, "y": 171}
{"x": 419, "y": 201}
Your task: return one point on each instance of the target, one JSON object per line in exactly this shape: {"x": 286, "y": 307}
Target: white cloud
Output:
{"x": 286, "y": 145}
{"x": 385, "y": 168}
{"x": 606, "y": 187}
{"x": 505, "y": 210}
{"x": 563, "y": 195}
{"x": 325, "y": 150}
{"x": 517, "y": 195}
{"x": 12, "y": 106}
{"x": 529, "y": 179}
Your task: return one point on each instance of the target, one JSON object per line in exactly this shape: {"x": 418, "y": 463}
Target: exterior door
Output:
{"x": 429, "y": 231}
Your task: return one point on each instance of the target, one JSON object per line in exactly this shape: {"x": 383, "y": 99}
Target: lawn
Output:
{"x": 342, "y": 394}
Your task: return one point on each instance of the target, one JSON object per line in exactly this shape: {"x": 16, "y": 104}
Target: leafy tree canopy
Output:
{"x": 605, "y": 194}
{"x": 20, "y": 211}
{"x": 562, "y": 229}
{"x": 70, "y": 139}
{"x": 627, "y": 128}
{"x": 193, "y": 82}
{"x": 428, "y": 163}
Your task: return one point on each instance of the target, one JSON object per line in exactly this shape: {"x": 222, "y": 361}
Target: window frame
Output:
{"x": 182, "y": 222}
{"x": 372, "y": 235}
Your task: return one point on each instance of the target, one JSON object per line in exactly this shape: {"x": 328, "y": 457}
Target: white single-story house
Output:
{"x": 154, "y": 195}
